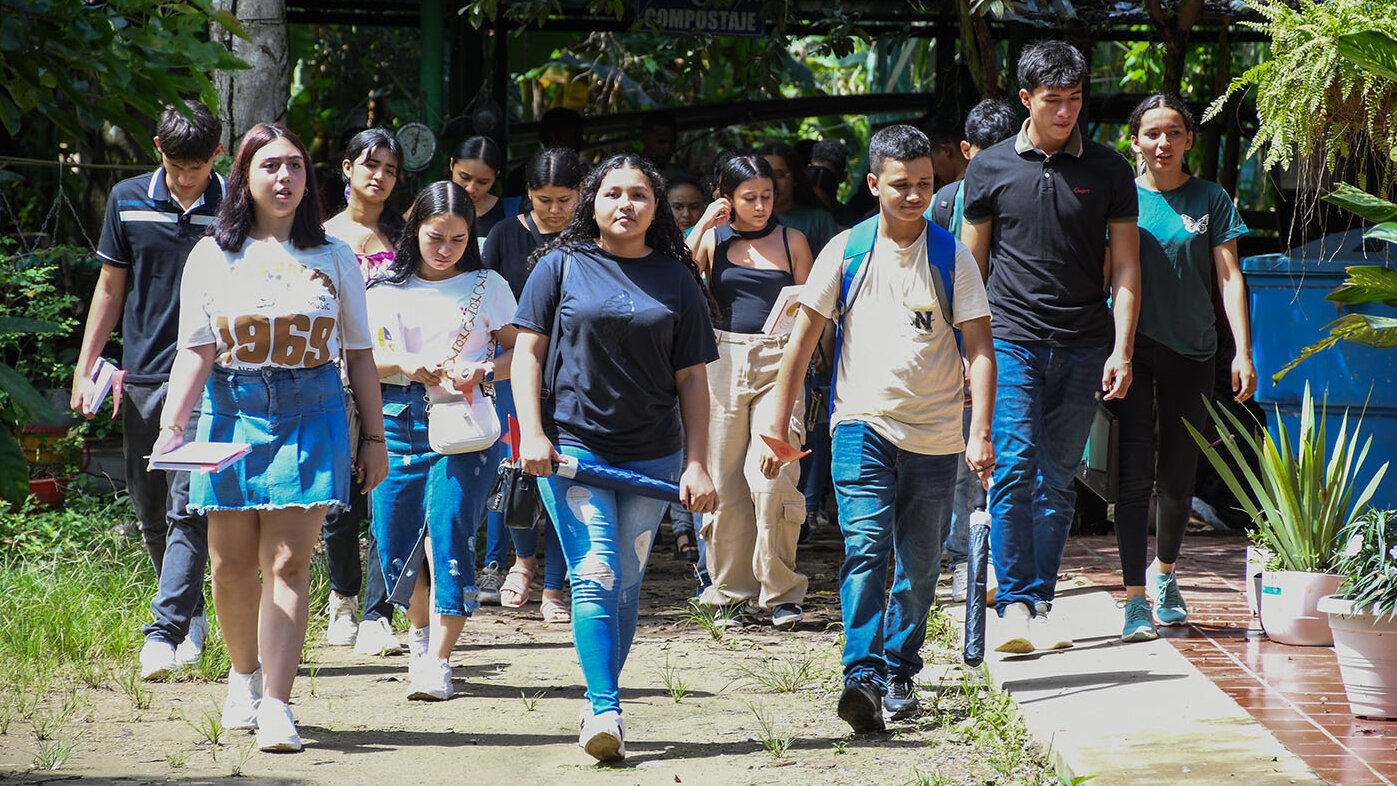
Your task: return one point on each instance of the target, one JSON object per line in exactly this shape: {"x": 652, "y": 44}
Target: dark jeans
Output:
{"x": 341, "y": 532}
{"x": 177, "y": 540}
{"x": 814, "y": 468}
{"x": 1169, "y": 388}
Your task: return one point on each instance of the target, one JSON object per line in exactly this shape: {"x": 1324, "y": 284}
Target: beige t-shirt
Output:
{"x": 899, "y": 370}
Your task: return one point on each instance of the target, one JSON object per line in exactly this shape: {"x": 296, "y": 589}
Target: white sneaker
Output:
{"x": 375, "y": 637}
{"x": 1012, "y": 630}
{"x": 603, "y": 736}
{"x": 1044, "y": 632}
{"x": 344, "y": 623}
{"x": 244, "y": 692}
{"x": 960, "y": 582}
{"x": 157, "y": 659}
{"x": 192, "y": 648}
{"x": 429, "y": 679}
{"x": 418, "y": 640}
{"x": 276, "y": 729}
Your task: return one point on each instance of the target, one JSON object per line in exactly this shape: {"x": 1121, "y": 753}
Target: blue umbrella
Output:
{"x": 613, "y": 479}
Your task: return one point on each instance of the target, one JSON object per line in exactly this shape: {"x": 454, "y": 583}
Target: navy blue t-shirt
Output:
{"x": 627, "y": 326}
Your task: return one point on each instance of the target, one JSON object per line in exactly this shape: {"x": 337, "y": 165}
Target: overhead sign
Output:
{"x": 716, "y": 17}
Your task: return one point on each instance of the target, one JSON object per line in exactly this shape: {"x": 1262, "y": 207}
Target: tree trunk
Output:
{"x": 977, "y": 51}
{"x": 259, "y": 94}
{"x": 1174, "y": 27}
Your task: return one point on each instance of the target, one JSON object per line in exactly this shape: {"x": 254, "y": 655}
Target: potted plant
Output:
{"x": 1301, "y": 496}
{"x": 1363, "y": 614}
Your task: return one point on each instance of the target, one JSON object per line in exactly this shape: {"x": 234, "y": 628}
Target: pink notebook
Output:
{"x": 201, "y": 456}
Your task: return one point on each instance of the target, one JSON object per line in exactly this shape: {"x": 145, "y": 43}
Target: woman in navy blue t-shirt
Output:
{"x": 634, "y": 334}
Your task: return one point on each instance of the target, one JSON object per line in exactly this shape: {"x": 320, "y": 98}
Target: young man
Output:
{"x": 1038, "y": 211}
{"x": 989, "y": 123}
{"x": 152, "y": 222}
{"x": 897, "y": 414}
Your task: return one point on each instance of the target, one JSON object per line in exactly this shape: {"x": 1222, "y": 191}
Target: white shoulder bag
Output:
{"x": 462, "y": 426}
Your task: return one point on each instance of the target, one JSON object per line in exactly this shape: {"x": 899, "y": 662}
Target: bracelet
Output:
{"x": 174, "y": 428}
{"x": 372, "y": 438}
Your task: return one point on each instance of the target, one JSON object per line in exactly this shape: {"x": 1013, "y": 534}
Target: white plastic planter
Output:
{"x": 1366, "y": 646}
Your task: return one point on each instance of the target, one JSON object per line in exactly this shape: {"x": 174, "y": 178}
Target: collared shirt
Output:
{"x": 147, "y": 233}
{"x": 1048, "y": 245}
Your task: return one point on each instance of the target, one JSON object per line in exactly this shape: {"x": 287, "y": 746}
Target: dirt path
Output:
{"x": 514, "y": 717}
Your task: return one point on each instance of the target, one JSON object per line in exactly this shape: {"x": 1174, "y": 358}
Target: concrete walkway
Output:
{"x": 1134, "y": 713}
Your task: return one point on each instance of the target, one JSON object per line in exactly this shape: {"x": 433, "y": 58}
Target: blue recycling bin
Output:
{"x": 1287, "y": 293}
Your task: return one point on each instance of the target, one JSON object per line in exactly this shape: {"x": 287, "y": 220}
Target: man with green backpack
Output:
{"x": 898, "y": 289}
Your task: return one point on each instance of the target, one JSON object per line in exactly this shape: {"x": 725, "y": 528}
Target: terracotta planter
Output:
{"x": 1289, "y": 607}
{"x": 47, "y": 492}
{"x": 1367, "y": 648}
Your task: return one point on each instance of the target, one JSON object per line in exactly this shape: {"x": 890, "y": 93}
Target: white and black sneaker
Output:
{"x": 787, "y": 615}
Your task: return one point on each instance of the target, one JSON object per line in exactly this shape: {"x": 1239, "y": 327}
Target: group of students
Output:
{"x": 614, "y": 338}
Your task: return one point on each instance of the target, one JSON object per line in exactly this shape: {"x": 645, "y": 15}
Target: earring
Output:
{"x": 346, "y": 192}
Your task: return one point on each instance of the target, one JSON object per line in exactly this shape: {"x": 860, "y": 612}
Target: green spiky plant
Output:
{"x": 1301, "y": 495}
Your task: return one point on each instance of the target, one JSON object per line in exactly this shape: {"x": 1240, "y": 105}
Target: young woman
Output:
{"x": 436, "y": 315}
{"x": 370, "y": 171}
{"x": 478, "y": 163}
{"x": 633, "y": 338}
{"x": 797, "y": 205}
{"x": 552, "y": 177}
{"x": 268, "y": 304}
{"x": 1188, "y": 236}
{"x": 686, "y": 200}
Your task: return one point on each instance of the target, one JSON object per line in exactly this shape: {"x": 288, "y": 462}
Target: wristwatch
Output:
{"x": 489, "y": 377}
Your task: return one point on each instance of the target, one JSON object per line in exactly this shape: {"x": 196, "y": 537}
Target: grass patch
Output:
{"x": 775, "y": 739}
{"x": 674, "y": 684}
{"x": 785, "y": 675}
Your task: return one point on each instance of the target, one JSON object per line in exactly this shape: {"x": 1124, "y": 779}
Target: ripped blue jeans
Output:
{"x": 606, "y": 539}
{"x": 428, "y": 494}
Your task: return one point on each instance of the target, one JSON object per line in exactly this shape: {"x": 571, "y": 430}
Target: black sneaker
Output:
{"x": 861, "y": 707}
{"x": 901, "y": 701}
{"x": 807, "y": 527}
{"x": 787, "y": 615}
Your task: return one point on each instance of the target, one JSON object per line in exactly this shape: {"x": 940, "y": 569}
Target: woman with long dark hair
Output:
{"x": 268, "y": 303}
{"x": 369, "y": 168}
{"x": 553, "y": 177}
{"x": 1188, "y": 238}
{"x": 797, "y": 204}
{"x": 633, "y": 336}
{"x": 749, "y": 259}
{"x": 476, "y": 166}
{"x": 437, "y": 315}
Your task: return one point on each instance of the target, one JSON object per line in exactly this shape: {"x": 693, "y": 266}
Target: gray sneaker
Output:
{"x": 901, "y": 700}
{"x": 489, "y": 580}
{"x": 960, "y": 582}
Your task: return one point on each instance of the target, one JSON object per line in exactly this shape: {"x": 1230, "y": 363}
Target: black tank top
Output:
{"x": 745, "y": 296}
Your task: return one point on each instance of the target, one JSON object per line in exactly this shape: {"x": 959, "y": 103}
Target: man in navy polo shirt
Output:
{"x": 152, "y": 222}
{"x": 1039, "y": 209}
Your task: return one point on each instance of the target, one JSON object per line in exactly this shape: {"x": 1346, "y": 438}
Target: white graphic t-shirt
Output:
{"x": 899, "y": 369}
{"x": 272, "y": 304}
{"x": 428, "y": 318}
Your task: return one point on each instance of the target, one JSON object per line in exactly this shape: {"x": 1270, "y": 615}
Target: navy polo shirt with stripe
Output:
{"x": 1048, "y": 244}
{"x": 147, "y": 233}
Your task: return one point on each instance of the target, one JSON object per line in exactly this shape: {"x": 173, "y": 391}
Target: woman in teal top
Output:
{"x": 1188, "y": 237}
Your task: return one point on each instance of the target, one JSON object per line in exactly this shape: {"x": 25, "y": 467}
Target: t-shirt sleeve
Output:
{"x": 970, "y": 299}
{"x": 354, "y": 312}
{"x": 194, "y": 327}
{"x": 694, "y": 343}
{"x": 979, "y": 189}
{"x": 112, "y": 246}
{"x": 1125, "y": 200}
{"x": 499, "y": 306}
{"x": 826, "y": 279}
{"x": 539, "y": 299}
{"x": 1226, "y": 223}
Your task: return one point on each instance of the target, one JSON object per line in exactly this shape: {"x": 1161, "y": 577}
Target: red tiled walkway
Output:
{"x": 1295, "y": 692}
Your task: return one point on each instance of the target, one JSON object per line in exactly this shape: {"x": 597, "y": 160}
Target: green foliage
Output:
{"x": 1301, "y": 496}
{"x": 1368, "y": 562}
{"x": 77, "y": 65}
{"x": 1310, "y": 98}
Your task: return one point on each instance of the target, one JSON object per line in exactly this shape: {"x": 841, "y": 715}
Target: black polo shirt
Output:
{"x": 147, "y": 233}
{"x": 1048, "y": 245}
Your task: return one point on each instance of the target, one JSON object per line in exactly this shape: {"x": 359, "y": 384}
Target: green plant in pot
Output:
{"x": 20, "y": 403}
{"x": 1301, "y": 497}
{"x": 1363, "y": 613}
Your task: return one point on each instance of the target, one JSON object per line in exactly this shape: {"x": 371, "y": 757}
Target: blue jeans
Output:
{"x": 427, "y": 494}
{"x": 1042, "y": 415}
{"x": 970, "y": 494}
{"x": 555, "y": 572}
{"x": 892, "y": 503}
{"x": 606, "y": 539}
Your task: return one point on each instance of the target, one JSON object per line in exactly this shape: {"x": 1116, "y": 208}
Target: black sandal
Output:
{"x": 686, "y": 547}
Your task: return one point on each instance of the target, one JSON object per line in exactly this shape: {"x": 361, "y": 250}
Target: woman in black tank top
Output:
{"x": 749, "y": 260}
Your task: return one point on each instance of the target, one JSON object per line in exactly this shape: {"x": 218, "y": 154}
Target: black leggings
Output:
{"x": 1169, "y": 388}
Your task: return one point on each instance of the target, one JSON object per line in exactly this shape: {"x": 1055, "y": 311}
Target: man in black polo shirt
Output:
{"x": 1039, "y": 209}
{"x": 152, "y": 222}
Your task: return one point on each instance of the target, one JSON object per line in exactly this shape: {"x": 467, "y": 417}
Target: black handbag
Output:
{"x": 515, "y": 496}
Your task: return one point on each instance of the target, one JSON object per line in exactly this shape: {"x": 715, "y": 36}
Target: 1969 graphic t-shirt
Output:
{"x": 272, "y": 304}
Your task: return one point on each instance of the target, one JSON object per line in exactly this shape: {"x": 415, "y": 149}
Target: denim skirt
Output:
{"x": 295, "y": 420}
